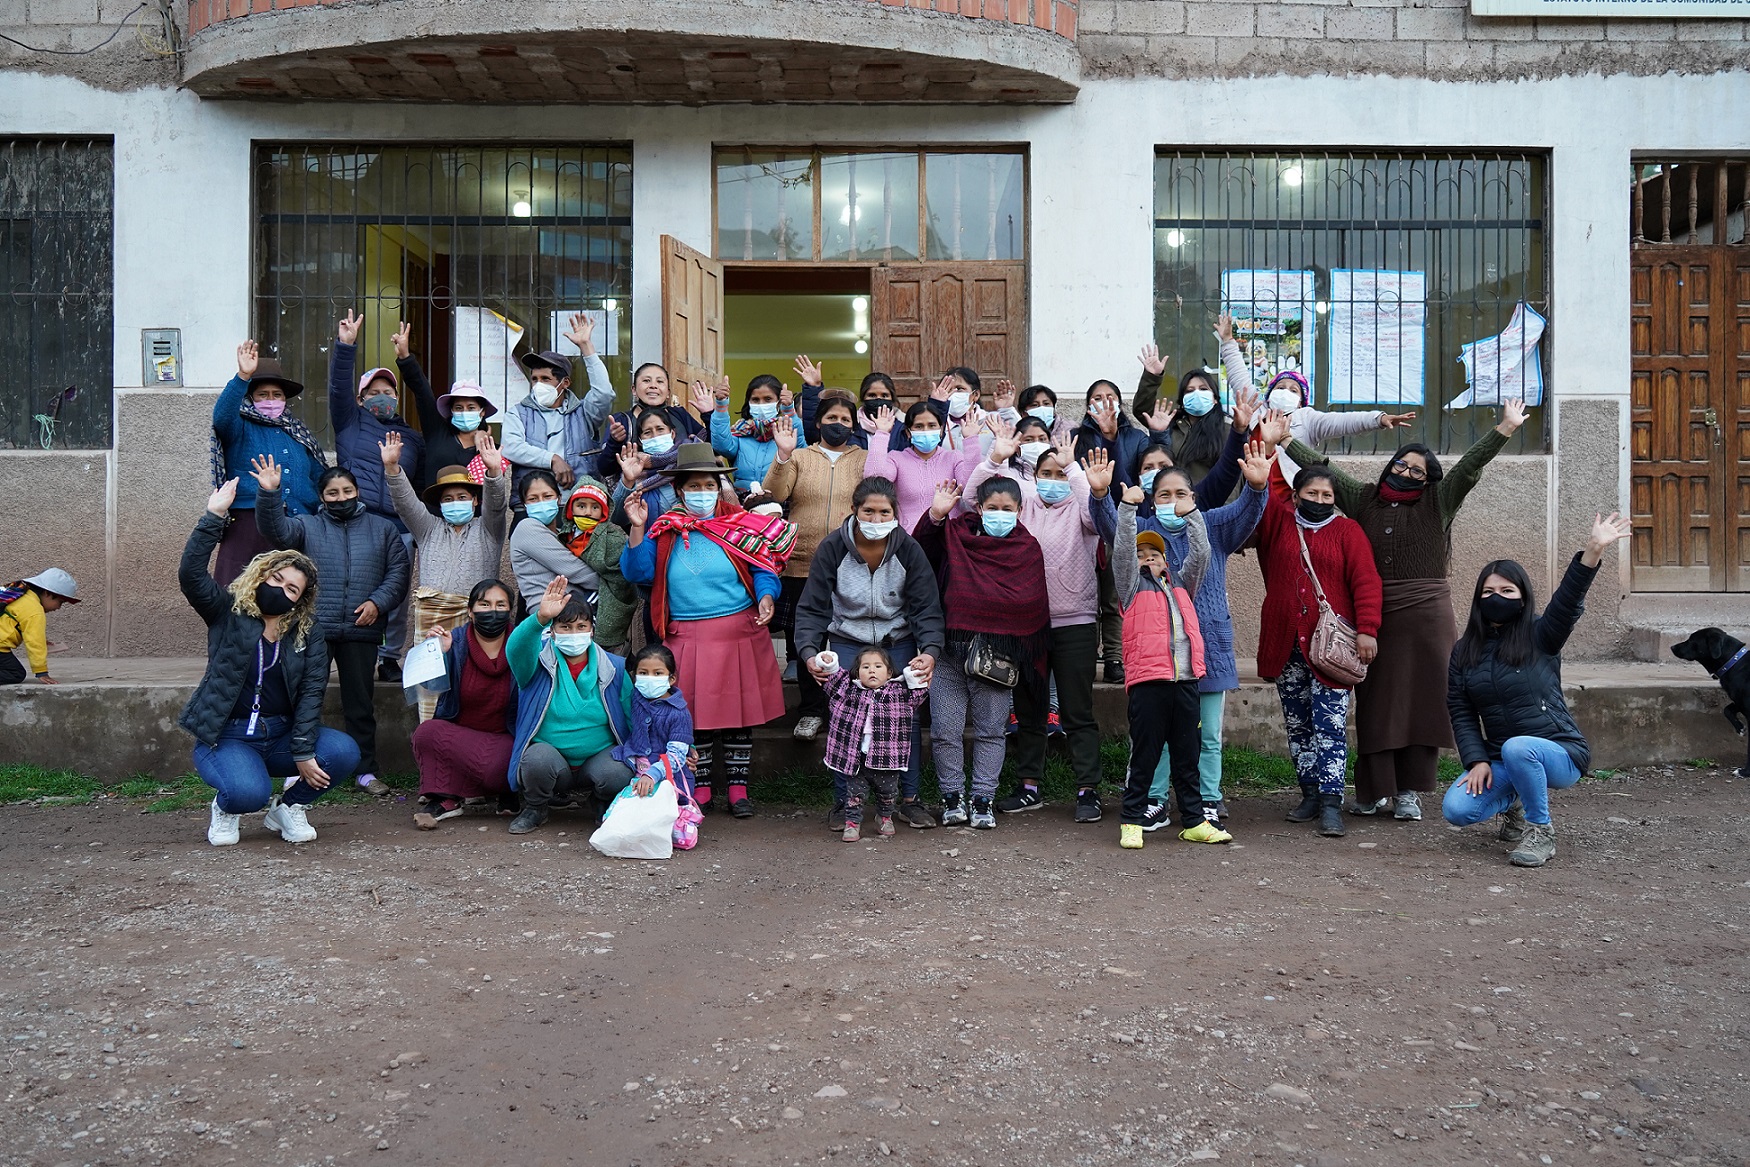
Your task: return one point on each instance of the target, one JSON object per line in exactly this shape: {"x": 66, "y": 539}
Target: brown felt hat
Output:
{"x": 692, "y": 458}
{"x": 451, "y": 476}
{"x": 269, "y": 372}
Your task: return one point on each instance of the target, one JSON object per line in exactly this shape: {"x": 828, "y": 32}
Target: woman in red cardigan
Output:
{"x": 1315, "y": 709}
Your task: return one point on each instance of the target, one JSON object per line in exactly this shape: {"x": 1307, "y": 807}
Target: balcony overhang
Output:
{"x": 687, "y": 52}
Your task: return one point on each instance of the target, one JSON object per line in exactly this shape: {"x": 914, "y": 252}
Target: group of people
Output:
{"x": 974, "y": 554}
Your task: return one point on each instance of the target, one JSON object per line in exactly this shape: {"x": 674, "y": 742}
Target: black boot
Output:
{"x": 1331, "y": 815}
{"x": 1307, "y": 809}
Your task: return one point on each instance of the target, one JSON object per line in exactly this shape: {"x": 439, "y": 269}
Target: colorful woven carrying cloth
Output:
{"x": 753, "y": 543}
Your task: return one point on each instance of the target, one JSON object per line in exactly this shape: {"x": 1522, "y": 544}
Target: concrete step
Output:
{"x": 116, "y": 718}
{"x": 1657, "y": 620}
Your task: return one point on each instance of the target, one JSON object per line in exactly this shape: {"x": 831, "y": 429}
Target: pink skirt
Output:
{"x": 728, "y": 671}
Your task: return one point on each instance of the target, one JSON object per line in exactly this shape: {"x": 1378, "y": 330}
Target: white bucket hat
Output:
{"x": 59, "y": 582}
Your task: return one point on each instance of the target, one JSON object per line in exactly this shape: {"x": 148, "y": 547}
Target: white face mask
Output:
{"x": 958, "y": 404}
{"x": 877, "y": 530}
{"x": 546, "y": 396}
{"x": 1030, "y": 451}
{"x": 1284, "y": 400}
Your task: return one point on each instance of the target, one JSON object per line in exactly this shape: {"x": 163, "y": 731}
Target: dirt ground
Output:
{"x": 1031, "y": 995}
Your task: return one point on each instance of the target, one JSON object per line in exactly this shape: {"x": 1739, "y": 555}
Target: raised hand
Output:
{"x": 1160, "y": 418}
{"x": 1274, "y": 429}
{"x": 553, "y": 600}
{"x": 1512, "y": 416}
{"x": 947, "y": 494}
{"x": 702, "y": 399}
{"x": 616, "y": 428}
{"x": 219, "y": 502}
{"x": 1401, "y": 421}
{"x": 1152, "y": 362}
{"x": 1004, "y": 447}
{"x": 784, "y": 436}
{"x": 1098, "y": 466}
{"x": 399, "y": 339}
{"x": 1005, "y": 394}
{"x": 1605, "y": 531}
{"x": 637, "y": 510}
{"x": 582, "y": 333}
{"x": 1132, "y": 495}
{"x": 1256, "y": 465}
{"x": 786, "y": 399}
{"x": 265, "y": 471}
{"x": 633, "y": 463}
{"x": 720, "y": 388}
{"x": 488, "y": 451}
{"x": 390, "y": 450}
{"x": 944, "y": 389}
{"x": 1224, "y": 327}
{"x": 248, "y": 356}
{"x": 348, "y": 329}
{"x": 808, "y": 371}
{"x": 884, "y": 419}
{"x": 1247, "y": 402}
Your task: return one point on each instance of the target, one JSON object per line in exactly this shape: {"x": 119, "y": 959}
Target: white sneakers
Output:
{"x": 222, "y": 827}
{"x": 289, "y": 820}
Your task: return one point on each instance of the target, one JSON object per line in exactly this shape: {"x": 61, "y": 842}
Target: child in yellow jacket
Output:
{"x": 23, "y": 621}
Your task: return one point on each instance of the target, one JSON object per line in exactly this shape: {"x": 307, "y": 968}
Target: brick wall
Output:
{"x": 1414, "y": 38}
{"x": 73, "y": 25}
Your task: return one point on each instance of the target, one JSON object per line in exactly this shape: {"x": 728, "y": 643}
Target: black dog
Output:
{"x": 1727, "y": 660}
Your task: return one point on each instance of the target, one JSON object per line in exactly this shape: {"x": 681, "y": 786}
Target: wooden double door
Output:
{"x": 1690, "y": 417}
{"x": 923, "y": 318}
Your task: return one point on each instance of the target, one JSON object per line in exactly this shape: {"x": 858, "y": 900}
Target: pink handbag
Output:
{"x": 1332, "y": 648}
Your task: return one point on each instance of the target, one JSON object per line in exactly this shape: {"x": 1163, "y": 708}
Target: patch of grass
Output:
{"x": 31, "y": 783}
{"x": 1702, "y": 763}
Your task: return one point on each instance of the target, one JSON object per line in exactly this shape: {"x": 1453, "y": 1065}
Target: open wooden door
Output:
{"x": 928, "y": 317}
{"x": 692, "y": 315}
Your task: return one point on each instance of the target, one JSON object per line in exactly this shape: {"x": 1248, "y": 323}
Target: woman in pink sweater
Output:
{"x": 1055, "y": 508}
{"x": 918, "y": 470}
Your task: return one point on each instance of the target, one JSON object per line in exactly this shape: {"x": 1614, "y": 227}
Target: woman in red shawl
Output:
{"x": 712, "y": 570}
{"x": 992, "y": 574}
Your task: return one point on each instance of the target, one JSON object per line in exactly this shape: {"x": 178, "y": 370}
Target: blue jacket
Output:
{"x": 607, "y": 463}
{"x": 449, "y": 705}
{"x": 535, "y": 687}
{"x": 753, "y": 458}
{"x": 652, "y": 725}
{"x": 1229, "y": 527}
{"x": 244, "y": 440}
{"x": 357, "y": 433}
{"x": 1125, "y": 449}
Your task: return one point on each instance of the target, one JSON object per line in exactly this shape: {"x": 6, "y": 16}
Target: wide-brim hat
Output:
{"x": 692, "y": 458}
{"x": 58, "y": 582}
{"x": 269, "y": 372}
{"x": 394, "y": 381}
{"x": 450, "y": 476}
{"x": 470, "y": 391}
{"x": 558, "y": 362}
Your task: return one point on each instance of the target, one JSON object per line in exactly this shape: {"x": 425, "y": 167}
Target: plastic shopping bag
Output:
{"x": 639, "y": 828}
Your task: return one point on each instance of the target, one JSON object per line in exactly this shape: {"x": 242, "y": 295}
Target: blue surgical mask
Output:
{"x": 1199, "y": 402}
{"x": 702, "y": 503}
{"x": 999, "y": 523}
{"x": 1051, "y": 491}
{"x": 925, "y": 441}
{"x": 457, "y": 512}
{"x": 466, "y": 422}
{"x": 1045, "y": 413}
{"x": 544, "y": 512}
{"x": 651, "y": 687}
{"x": 1171, "y": 521}
{"x": 764, "y": 412}
{"x": 571, "y": 643}
{"x": 659, "y": 445}
{"x": 1148, "y": 482}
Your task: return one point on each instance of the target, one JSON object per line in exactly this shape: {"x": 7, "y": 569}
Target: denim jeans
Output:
{"x": 243, "y": 769}
{"x": 900, "y": 653}
{"x": 1530, "y": 767}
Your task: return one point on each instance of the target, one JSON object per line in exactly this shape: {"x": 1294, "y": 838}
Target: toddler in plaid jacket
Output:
{"x": 868, "y": 737}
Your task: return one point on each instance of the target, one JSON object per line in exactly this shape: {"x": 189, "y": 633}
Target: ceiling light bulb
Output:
{"x": 1292, "y": 176}
{"x": 862, "y": 346}
{"x": 860, "y": 304}
{"x": 845, "y": 215}
{"x": 611, "y": 305}
{"x": 521, "y": 208}
{"x": 1322, "y": 308}
{"x": 1175, "y": 238}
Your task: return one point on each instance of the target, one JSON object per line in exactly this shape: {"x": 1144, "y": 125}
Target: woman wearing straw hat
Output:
{"x": 456, "y": 550}
{"x": 712, "y": 569}
{"x": 23, "y": 605}
{"x": 251, "y": 419}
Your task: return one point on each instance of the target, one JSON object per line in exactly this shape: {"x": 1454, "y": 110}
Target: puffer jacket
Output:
{"x": 360, "y": 559}
{"x": 1124, "y": 448}
{"x": 358, "y": 432}
{"x": 231, "y": 642}
{"x": 1492, "y": 701}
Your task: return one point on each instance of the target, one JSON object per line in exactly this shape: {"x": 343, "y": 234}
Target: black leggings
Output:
{"x": 12, "y": 670}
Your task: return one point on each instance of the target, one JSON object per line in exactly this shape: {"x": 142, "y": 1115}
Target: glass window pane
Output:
{"x": 765, "y": 205}
{"x": 878, "y": 193}
{"x": 483, "y": 251}
{"x": 1469, "y": 229}
{"x": 976, "y": 206}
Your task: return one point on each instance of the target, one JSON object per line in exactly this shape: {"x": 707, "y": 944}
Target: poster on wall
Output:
{"x": 1501, "y": 367}
{"x": 1274, "y": 321}
{"x": 484, "y": 343}
{"x": 1379, "y": 322}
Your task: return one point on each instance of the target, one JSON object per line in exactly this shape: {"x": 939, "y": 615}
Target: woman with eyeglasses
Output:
{"x": 1401, "y": 720}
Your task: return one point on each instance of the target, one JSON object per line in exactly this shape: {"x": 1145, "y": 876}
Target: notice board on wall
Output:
{"x": 1379, "y": 337}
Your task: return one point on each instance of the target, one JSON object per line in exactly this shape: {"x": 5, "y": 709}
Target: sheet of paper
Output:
{"x": 1501, "y": 367}
{"x": 484, "y": 343}
{"x": 1379, "y": 339}
{"x": 606, "y": 335}
{"x": 425, "y": 664}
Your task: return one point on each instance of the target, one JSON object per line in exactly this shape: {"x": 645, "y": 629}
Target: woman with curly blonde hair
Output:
{"x": 257, "y": 713}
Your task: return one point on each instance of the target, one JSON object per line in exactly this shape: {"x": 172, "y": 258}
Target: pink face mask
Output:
{"x": 271, "y": 408}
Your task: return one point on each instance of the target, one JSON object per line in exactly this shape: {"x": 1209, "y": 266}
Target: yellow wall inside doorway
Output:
{"x": 763, "y": 333}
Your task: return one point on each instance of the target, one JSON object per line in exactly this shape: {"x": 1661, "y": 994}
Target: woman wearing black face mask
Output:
{"x": 1315, "y": 708}
{"x": 817, "y": 481}
{"x": 364, "y": 562}
{"x": 256, "y": 716}
{"x": 1515, "y": 735}
{"x": 1400, "y": 709}
{"x": 464, "y": 751}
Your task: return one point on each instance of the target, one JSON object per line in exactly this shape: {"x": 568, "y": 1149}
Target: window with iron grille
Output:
{"x": 57, "y": 292}
{"x": 484, "y": 250}
{"x": 1401, "y": 260}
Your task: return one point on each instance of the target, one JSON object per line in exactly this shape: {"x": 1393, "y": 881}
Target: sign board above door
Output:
{"x": 1632, "y": 9}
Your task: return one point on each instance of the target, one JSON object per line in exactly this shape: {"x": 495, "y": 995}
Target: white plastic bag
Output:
{"x": 639, "y": 828}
